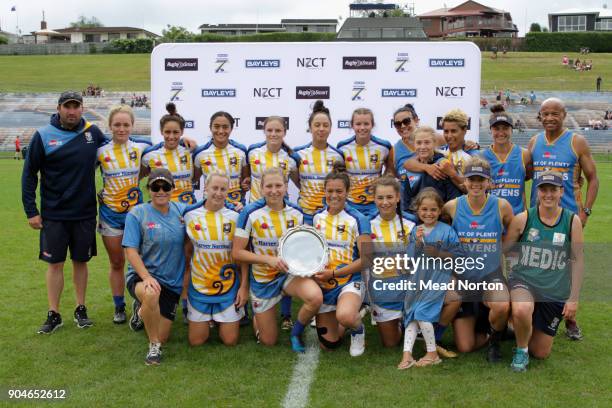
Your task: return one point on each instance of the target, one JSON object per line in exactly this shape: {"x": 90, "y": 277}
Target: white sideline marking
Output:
{"x": 303, "y": 372}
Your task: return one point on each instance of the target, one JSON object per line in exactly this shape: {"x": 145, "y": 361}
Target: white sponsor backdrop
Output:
{"x": 256, "y": 80}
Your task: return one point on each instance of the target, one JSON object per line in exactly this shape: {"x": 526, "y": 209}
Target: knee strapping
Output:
{"x": 332, "y": 345}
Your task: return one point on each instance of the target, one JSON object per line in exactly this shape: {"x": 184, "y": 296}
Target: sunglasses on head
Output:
{"x": 405, "y": 122}
{"x": 155, "y": 187}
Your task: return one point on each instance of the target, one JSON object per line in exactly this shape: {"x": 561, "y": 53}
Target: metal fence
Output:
{"x": 52, "y": 48}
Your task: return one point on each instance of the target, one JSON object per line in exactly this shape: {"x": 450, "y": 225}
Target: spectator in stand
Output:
{"x": 18, "y": 148}
{"x": 498, "y": 98}
{"x": 532, "y": 97}
{"x": 507, "y": 94}
{"x": 598, "y": 83}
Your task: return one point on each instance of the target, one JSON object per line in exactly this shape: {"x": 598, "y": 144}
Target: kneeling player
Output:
{"x": 542, "y": 290}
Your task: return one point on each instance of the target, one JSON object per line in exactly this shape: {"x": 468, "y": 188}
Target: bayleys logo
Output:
{"x": 262, "y": 63}
{"x": 447, "y": 62}
{"x": 401, "y": 62}
{"x": 359, "y": 88}
{"x": 175, "y": 90}
{"x": 221, "y": 63}
{"x": 219, "y": 93}
{"x": 398, "y": 93}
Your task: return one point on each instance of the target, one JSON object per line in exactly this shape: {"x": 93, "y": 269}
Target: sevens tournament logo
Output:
{"x": 358, "y": 90}
{"x": 221, "y": 62}
{"x": 175, "y": 89}
{"x": 401, "y": 61}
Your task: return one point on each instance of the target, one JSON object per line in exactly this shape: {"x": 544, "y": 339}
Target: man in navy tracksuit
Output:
{"x": 64, "y": 152}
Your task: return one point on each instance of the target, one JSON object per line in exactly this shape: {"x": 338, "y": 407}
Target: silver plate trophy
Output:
{"x": 304, "y": 250}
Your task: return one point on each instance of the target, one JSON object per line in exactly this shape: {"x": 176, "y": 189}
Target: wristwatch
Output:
{"x": 587, "y": 211}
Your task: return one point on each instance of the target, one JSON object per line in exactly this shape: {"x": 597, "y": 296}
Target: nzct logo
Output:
{"x": 175, "y": 90}
{"x": 267, "y": 93}
{"x": 181, "y": 64}
{"x": 259, "y": 122}
{"x": 450, "y": 91}
{"x": 401, "y": 62}
{"x": 358, "y": 62}
{"x": 312, "y": 92}
{"x": 219, "y": 93}
{"x": 221, "y": 63}
{"x": 311, "y": 62}
{"x": 359, "y": 89}
{"x": 398, "y": 93}
{"x": 447, "y": 62}
{"x": 262, "y": 63}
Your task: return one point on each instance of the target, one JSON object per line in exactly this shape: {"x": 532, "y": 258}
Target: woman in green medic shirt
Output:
{"x": 545, "y": 282}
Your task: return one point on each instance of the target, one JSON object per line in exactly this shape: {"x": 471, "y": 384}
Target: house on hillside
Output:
{"x": 469, "y": 19}
{"x": 90, "y": 34}
{"x": 580, "y": 20}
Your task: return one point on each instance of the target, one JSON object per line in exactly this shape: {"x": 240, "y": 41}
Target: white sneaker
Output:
{"x": 357, "y": 344}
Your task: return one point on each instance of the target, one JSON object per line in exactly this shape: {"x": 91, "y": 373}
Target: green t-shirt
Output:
{"x": 545, "y": 256}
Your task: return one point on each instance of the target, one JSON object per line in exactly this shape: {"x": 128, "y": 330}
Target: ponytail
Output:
{"x": 171, "y": 116}
{"x": 338, "y": 173}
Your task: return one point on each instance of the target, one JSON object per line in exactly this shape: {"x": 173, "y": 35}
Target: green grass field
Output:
{"x": 52, "y": 73}
{"x": 103, "y": 365}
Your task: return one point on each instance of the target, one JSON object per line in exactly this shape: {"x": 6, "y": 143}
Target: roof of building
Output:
{"x": 459, "y": 11}
{"x": 413, "y": 28}
{"x": 7, "y": 34}
{"x": 242, "y": 26}
{"x": 382, "y": 22}
{"x": 321, "y": 21}
{"x": 601, "y": 12}
{"x": 372, "y": 6}
{"x": 97, "y": 30}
